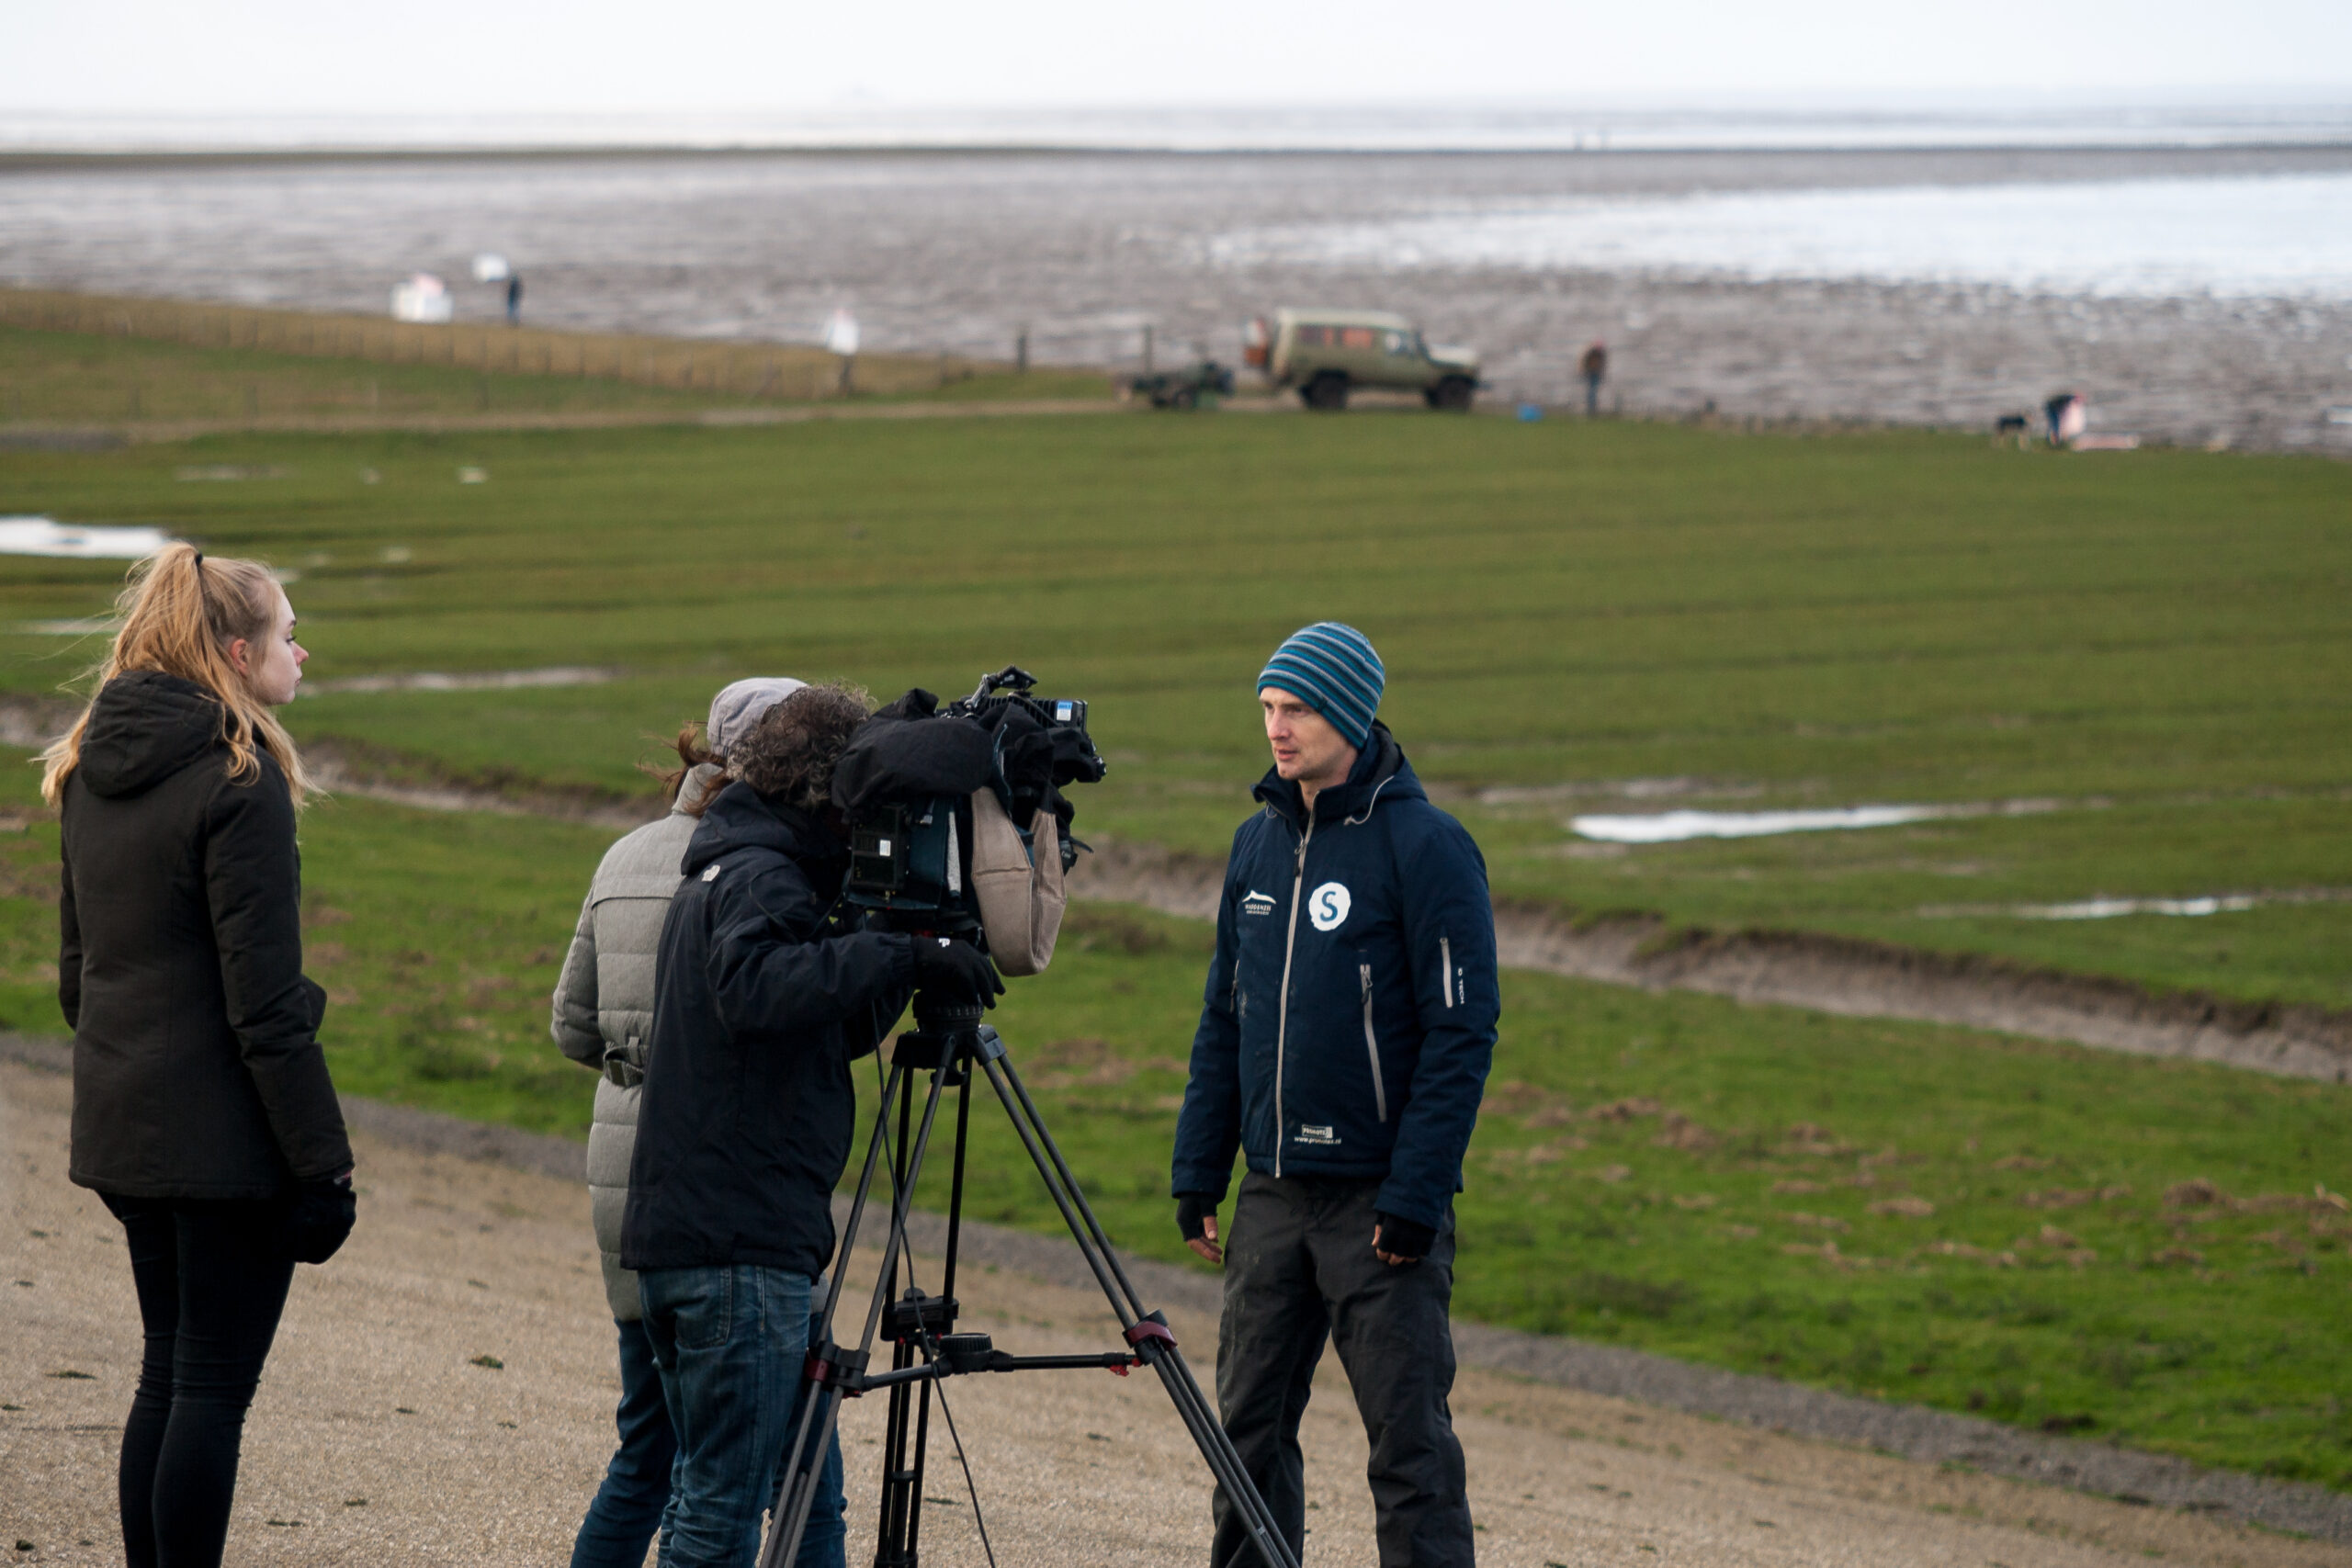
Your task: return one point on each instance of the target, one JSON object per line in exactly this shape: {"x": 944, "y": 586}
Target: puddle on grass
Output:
{"x": 88, "y": 626}
{"x": 1629, "y": 789}
{"x": 196, "y": 473}
{"x": 48, "y": 537}
{"x": 472, "y": 681}
{"x": 1677, "y": 827}
{"x": 2115, "y": 908}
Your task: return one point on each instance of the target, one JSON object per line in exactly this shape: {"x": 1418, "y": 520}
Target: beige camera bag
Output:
{"x": 1020, "y": 895}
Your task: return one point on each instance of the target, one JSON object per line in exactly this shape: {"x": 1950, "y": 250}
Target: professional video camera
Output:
{"x": 959, "y": 829}
{"x": 957, "y": 819}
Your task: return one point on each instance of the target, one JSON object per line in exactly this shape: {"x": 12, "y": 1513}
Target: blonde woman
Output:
{"x": 203, "y": 1115}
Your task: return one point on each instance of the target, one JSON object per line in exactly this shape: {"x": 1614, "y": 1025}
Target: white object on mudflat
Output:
{"x": 422, "y": 298}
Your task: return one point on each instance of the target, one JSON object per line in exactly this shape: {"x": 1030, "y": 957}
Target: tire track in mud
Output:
{"x": 1830, "y": 974}
{"x": 1844, "y": 976}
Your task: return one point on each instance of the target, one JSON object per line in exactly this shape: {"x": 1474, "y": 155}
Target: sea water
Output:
{"x": 2286, "y": 236}
{"x": 1590, "y": 122}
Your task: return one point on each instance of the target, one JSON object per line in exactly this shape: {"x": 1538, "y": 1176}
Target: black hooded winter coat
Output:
{"x": 762, "y": 997}
{"x": 197, "y": 1070}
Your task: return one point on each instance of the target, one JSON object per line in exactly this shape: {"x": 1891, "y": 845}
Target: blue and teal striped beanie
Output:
{"x": 1333, "y": 668}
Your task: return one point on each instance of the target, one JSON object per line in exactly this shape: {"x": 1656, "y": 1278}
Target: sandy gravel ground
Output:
{"x": 379, "y": 1438}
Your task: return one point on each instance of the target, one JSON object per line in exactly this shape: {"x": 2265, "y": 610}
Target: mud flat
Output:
{"x": 962, "y": 253}
{"x": 383, "y": 1434}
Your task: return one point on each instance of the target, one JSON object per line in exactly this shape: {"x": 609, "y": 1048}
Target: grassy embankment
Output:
{"x": 1576, "y": 619}
{"x": 1905, "y": 1211}
{"x": 160, "y": 362}
{"x": 2157, "y": 645}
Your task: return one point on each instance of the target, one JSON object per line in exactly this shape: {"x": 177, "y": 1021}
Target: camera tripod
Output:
{"x": 949, "y": 1041}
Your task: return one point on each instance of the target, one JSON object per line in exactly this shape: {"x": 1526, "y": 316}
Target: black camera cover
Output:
{"x": 911, "y": 751}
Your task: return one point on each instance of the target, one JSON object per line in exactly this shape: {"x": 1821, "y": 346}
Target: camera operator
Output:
{"x": 604, "y": 1010}
{"x": 1343, "y": 1048}
{"x": 763, "y": 996}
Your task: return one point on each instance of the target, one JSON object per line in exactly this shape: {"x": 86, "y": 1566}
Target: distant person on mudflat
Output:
{"x": 1594, "y": 366}
{"x": 1342, "y": 1050}
{"x": 604, "y": 1019}
{"x": 203, "y": 1115}
{"x": 514, "y": 299}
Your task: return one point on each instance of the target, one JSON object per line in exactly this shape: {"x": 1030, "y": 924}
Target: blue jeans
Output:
{"x": 629, "y": 1505}
{"x": 731, "y": 1341}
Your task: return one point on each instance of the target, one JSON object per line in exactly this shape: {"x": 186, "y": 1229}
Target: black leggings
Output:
{"x": 211, "y": 1279}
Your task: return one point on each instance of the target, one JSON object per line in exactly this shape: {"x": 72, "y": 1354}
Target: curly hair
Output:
{"x": 790, "y": 754}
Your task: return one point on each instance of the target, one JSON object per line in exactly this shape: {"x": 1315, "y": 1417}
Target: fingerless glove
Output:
{"x": 1405, "y": 1238}
{"x": 320, "y": 1218}
{"x": 1192, "y": 1210}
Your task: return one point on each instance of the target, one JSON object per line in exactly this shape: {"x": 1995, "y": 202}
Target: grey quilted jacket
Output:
{"x": 604, "y": 1005}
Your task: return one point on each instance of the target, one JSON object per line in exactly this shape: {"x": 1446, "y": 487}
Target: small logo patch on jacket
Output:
{"x": 711, "y": 874}
{"x": 1328, "y": 906}
{"x": 1316, "y": 1135}
{"x": 1258, "y": 903}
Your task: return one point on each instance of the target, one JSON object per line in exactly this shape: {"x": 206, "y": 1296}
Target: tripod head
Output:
{"x": 948, "y": 1034}
{"x": 947, "y": 1015}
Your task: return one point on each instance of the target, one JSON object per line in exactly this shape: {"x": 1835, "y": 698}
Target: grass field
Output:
{"x": 49, "y": 378}
{"x": 2139, "y": 663}
{"x": 1894, "y": 1210}
{"x": 2148, "y": 652}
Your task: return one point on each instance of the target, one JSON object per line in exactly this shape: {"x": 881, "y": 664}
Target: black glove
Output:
{"x": 955, "y": 971}
{"x": 1405, "y": 1238}
{"x": 321, "y": 1217}
{"x": 1194, "y": 1210}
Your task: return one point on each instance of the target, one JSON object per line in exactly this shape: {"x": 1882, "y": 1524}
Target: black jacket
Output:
{"x": 762, "y": 999}
{"x": 197, "y": 1070}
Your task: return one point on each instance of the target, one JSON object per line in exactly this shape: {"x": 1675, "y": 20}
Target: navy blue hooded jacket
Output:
{"x": 1351, "y": 1012}
{"x": 762, "y": 999}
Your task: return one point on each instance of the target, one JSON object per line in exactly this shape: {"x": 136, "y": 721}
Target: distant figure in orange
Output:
{"x": 1595, "y": 365}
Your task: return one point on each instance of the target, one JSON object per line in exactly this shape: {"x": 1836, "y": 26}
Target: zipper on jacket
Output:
{"x": 1282, "y": 1009}
{"x": 1372, "y": 1047}
{"x": 1446, "y": 966}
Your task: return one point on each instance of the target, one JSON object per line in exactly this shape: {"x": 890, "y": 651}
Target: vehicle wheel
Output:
{"x": 1183, "y": 398}
{"x": 1428, "y": 396}
{"x": 1328, "y": 392}
{"x": 1453, "y": 394}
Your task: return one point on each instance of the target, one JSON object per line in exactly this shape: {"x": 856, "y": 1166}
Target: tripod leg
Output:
{"x": 789, "y": 1519}
{"x": 1191, "y": 1407}
{"x": 891, "y": 1527}
{"x": 1174, "y": 1371}
{"x": 1061, "y": 1167}
{"x": 790, "y": 1514}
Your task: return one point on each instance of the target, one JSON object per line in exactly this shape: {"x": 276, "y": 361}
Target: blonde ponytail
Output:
{"x": 177, "y": 616}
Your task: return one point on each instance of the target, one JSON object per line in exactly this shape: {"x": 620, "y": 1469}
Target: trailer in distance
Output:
{"x": 1194, "y": 387}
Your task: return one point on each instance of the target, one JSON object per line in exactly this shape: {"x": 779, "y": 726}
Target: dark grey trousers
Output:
{"x": 1299, "y": 1269}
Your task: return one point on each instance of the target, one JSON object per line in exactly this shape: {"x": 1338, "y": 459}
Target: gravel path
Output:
{"x": 378, "y": 1437}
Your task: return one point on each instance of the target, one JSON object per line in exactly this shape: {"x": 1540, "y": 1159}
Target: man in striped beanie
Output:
{"x": 1343, "y": 1050}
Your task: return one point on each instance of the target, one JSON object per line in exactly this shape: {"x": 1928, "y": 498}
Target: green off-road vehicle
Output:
{"x": 1327, "y": 354}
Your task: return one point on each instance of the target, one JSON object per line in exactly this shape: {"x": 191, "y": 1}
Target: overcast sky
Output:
{"x": 243, "y": 56}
